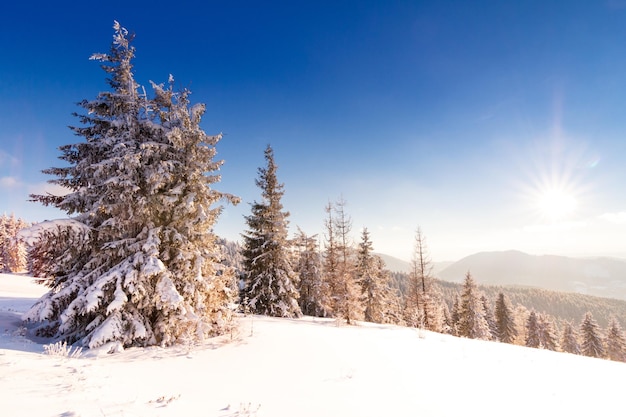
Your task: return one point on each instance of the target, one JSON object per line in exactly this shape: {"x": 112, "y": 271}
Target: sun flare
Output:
{"x": 556, "y": 204}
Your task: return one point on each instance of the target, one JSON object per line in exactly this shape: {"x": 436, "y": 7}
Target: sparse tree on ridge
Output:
{"x": 591, "y": 344}
{"x": 505, "y": 324}
{"x": 141, "y": 182}
{"x": 615, "y": 342}
{"x": 569, "y": 340}
{"x": 270, "y": 282}
{"x": 345, "y": 294}
{"x": 423, "y": 304}
{"x": 472, "y": 323}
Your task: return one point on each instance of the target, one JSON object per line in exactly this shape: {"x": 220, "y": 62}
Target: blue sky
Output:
{"x": 492, "y": 125}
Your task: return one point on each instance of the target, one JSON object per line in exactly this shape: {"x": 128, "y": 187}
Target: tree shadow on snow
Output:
{"x": 14, "y": 334}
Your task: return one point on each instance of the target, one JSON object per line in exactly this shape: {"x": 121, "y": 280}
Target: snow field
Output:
{"x": 299, "y": 367}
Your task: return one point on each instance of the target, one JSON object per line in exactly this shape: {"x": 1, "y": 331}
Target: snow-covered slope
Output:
{"x": 303, "y": 367}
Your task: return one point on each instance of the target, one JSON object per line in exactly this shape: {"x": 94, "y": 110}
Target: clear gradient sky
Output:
{"x": 492, "y": 125}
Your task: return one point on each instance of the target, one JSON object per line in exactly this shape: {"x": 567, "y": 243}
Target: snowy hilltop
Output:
{"x": 282, "y": 367}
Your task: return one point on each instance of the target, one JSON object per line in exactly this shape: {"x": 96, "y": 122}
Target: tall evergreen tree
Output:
{"x": 591, "y": 344}
{"x": 142, "y": 184}
{"x": 455, "y": 317}
{"x": 374, "y": 281}
{"x": 489, "y": 317}
{"x": 569, "y": 340}
{"x": 472, "y": 323}
{"x": 547, "y": 336}
{"x": 270, "y": 282}
{"x": 311, "y": 286}
{"x": 615, "y": 342}
{"x": 58, "y": 245}
{"x": 533, "y": 336}
{"x": 505, "y": 324}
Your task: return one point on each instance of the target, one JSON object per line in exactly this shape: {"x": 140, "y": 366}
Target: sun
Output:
{"x": 556, "y": 203}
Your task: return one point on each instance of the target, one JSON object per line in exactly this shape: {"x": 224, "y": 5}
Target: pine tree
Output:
{"x": 615, "y": 342}
{"x": 506, "y": 330}
{"x": 374, "y": 282}
{"x": 270, "y": 282}
{"x": 547, "y": 336}
{"x": 489, "y": 318}
{"x": 141, "y": 182}
{"x": 533, "y": 336}
{"x": 311, "y": 286}
{"x": 455, "y": 316}
{"x": 569, "y": 340}
{"x": 591, "y": 340}
{"x": 58, "y": 246}
{"x": 472, "y": 323}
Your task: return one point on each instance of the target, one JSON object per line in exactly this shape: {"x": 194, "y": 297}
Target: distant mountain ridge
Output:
{"x": 398, "y": 265}
{"x": 602, "y": 277}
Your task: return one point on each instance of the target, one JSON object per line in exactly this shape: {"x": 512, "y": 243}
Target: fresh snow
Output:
{"x": 297, "y": 367}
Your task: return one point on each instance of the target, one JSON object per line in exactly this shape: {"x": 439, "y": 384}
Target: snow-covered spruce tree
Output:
{"x": 13, "y": 254}
{"x": 370, "y": 274}
{"x": 615, "y": 342}
{"x": 311, "y": 286}
{"x": 489, "y": 317}
{"x": 569, "y": 340}
{"x": 547, "y": 335}
{"x": 454, "y": 316}
{"x": 591, "y": 339}
{"x": 270, "y": 282}
{"x": 142, "y": 183}
{"x": 505, "y": 323}
{"x": 533, "y": 336}
{"x": 58, "y": 246}
{"x": 472, "y": 323}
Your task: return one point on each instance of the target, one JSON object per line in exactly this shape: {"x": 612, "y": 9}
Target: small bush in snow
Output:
{"x": 61, "y": 349}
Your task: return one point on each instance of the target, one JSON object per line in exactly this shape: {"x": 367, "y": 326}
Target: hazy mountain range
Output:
{"x": 602, "y": 277}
